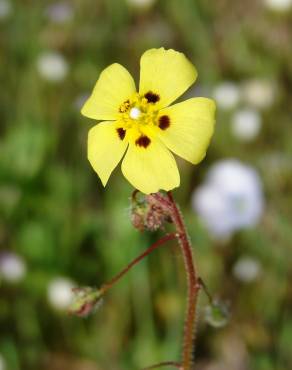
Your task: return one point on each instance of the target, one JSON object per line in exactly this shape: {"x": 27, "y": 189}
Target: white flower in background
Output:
{"x": 140, "y": 3}
{"x": 278, "y": 5}
{"x": 12, "y": 267}
{"x": 230, "y": 199}
{"x": 2, "y": 363}
{"x": 246, "y": 124}
{"x": 5, "y": 9}
{"x": 226, "y": 95}
{"x": 60, "y": 12}
{"x": 258, "y": 93}
{"x": 52, "y": 66}
{"x": 247, "y": 269}
{"x": 60, "y": 294}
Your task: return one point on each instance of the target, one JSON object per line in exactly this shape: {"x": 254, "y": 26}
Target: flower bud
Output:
{"x": 217, "y": 314}
{"x": 86, "y": 301}
{"x": 147, "y": 213}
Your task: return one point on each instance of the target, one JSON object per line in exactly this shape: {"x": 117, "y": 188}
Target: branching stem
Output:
{"x": 154, "y": 246}
{"x": 194, "y": 283}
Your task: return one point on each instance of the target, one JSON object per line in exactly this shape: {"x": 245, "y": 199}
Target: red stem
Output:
{"x": 193, "y": 285}
{"x": 193, "y": 281}
{"x": 157, "y": 244}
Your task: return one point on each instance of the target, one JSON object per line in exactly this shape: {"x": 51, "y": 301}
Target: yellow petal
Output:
{"x": 166, "y": 73}
{"x": 189, "y": 127}
{"x": 105, "y": 149}
{"x": 150, "y": 169}
{"x": 114, "y": 86}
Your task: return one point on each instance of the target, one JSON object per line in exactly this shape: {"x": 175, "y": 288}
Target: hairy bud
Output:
{"x": 147, "y": 213}
{"x": 86, "y": 301}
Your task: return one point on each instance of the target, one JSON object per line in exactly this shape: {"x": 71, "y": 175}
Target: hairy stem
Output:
{"x": 193, "y": 285}
{"x": 154, "y": 246}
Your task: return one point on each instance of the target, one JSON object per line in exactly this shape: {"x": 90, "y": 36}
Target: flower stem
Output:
{"x": 154, "y": 246}
{"x": 193, "y": 284}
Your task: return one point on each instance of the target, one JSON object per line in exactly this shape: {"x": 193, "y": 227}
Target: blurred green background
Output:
{"x": 60, "y": 228}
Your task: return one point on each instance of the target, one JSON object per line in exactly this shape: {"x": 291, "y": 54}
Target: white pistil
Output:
{"x": 135, "y": 113}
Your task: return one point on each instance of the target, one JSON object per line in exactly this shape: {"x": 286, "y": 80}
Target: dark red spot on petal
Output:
{"x": 121, "y": 132}
{"x": 164, "y": 122}
{"x": 152, "y": 97}
{"x": 143, "y": 141}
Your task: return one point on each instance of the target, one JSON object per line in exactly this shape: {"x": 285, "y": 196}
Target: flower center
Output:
{"x": 138, "y": 119}
{"x": 135, "y": 113}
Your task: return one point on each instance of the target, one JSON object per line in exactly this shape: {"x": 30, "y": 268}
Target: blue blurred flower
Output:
{"x": 230, "y": 199}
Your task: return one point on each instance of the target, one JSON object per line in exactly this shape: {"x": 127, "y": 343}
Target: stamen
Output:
{"x": 135, "y": 113}
{"x": 125, "y": 106}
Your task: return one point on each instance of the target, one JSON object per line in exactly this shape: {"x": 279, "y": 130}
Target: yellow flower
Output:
{"x": 142, "y": 127}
